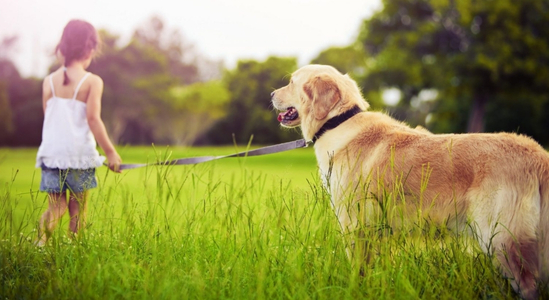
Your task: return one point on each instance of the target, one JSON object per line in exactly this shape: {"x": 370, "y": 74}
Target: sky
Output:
{"x": 226, "y": 30}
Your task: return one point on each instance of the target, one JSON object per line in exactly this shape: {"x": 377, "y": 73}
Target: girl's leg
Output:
{"x": 78, "y": 203}
{"x": 57, "y": 206}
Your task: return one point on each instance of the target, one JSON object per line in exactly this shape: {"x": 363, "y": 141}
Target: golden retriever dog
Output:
{"x": 495, "y": 185}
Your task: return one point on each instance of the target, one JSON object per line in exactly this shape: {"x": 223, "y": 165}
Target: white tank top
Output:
{"x": 67, "y": 141}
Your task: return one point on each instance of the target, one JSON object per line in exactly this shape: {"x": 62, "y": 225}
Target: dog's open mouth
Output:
{"x": 288, "y": 116}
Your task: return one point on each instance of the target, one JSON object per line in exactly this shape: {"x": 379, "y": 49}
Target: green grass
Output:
{"x": 240, "y": 228}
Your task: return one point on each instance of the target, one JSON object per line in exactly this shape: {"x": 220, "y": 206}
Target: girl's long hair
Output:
{"x": 78, "y": 40}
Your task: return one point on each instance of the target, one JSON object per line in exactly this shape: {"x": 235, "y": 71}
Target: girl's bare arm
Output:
{"x": 93, "y": 106}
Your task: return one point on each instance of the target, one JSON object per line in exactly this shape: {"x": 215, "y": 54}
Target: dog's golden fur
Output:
{"x": 497, "y": 184}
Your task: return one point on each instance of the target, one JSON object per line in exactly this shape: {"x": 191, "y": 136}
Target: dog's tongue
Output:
{"x": 281, "y": 116}
{"x": 289, "y": 115}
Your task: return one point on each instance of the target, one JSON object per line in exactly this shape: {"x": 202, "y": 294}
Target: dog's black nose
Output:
{"x": 272, "y": 94}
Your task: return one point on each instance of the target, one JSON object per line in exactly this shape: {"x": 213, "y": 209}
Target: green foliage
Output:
{"x": 140, "y": 105}
{"x": 488, "y": 56}
{"x": 350, "y": 60}
{"x": 250, "y": 112}
{"x": 136, "y": 80}
{"x": 347, "y": 60}
{"x": 193, "y": 110}
{"x": 211, "y": 96}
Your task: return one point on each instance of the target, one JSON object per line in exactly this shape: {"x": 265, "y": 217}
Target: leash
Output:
{"x": 302, "y": 143}
{"x": 200, "y": 159}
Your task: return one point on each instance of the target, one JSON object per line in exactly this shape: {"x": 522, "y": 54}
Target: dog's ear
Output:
{"x": 324, "y": 93}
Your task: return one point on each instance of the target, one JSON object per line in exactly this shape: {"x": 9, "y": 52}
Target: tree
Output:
{"x": 140, "y": 78}
{"x": 350, "y": 59}
{"x": 7, "y": 71}
{"x": 137, "y": 80}
{"x": 20, "y": 102}
{"x": 489, "y": 56}
{"x": 193, "y": 110}
{"x": 186, "y": 65}
{"x": 6, "y": 122}
{"x": 7, "y": 46}
{"x": 250, "y": 111}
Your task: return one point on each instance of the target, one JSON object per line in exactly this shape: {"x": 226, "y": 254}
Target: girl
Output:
{"x": 71, "y": 99}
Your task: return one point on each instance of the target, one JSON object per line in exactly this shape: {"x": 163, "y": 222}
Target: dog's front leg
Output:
{"x": 355, "y": 220}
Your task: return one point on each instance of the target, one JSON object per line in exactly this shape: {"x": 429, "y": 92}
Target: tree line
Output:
{"x": 457, "y": 66}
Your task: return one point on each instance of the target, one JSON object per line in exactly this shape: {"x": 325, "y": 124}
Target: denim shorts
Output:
{"x": 59, "y": 180}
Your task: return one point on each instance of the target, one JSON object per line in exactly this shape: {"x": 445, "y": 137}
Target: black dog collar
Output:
{"x": 336, "y": 121}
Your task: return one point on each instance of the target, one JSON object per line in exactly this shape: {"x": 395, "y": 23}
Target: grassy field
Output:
{"x": 246, "y": 228}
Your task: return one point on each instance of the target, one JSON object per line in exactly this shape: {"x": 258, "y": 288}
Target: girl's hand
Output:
{"x": 114, "y": 162}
